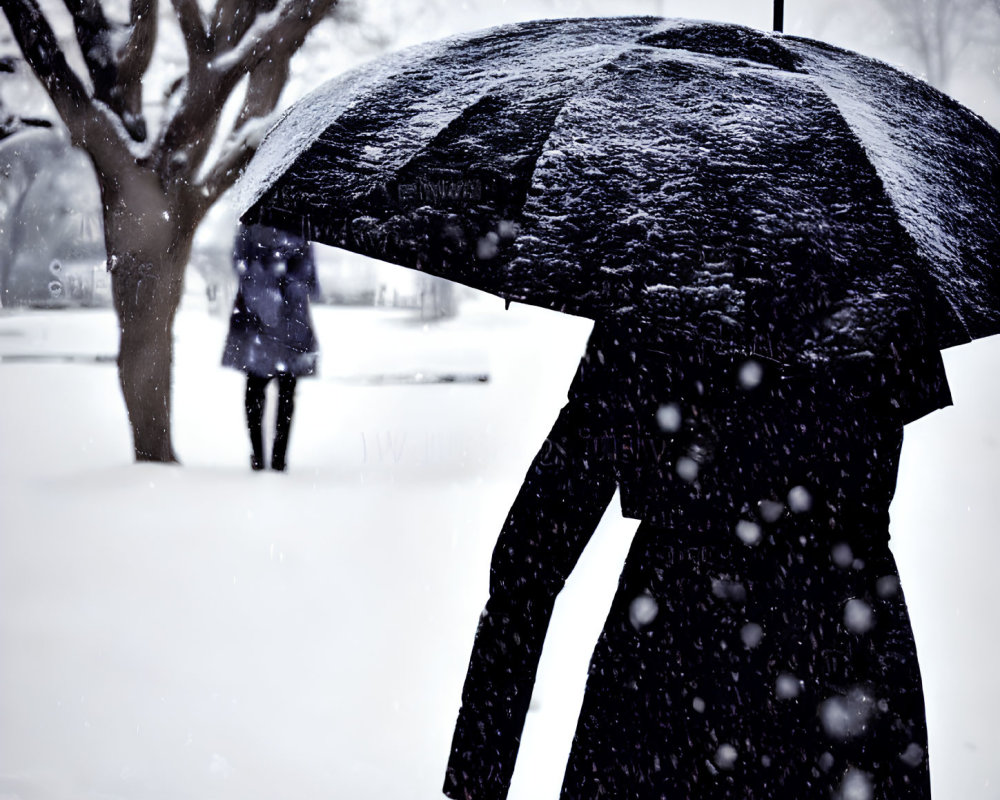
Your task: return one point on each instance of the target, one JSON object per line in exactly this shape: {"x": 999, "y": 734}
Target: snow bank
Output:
{"x": 208, "y": 633}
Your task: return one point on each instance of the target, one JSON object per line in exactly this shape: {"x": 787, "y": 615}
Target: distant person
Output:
{"x": 270, "y": 330}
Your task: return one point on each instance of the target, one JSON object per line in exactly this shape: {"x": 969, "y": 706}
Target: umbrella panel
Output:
{"x": 725, "y": 203}
{"x": 683, "y": 177}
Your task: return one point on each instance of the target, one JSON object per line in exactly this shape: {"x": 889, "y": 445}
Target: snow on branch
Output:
{"x": 124, "y": 128}
{"x": 263, "y": 46}
{"x": 264, "y": 88}
{"x": 242, "y": 144}
{"x": 282, "y": 28}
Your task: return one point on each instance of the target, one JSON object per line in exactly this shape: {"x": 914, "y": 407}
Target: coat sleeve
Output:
{"x": 563, "y": 497}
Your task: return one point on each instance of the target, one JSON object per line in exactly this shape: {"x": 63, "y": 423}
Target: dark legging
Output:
{"x": 255, "y": 416}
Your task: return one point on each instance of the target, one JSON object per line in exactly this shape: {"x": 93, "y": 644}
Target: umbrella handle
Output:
{"x": 779, "y": 16}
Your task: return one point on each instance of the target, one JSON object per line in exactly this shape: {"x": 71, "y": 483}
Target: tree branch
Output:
{"x": 134, "y": 60}
{"x": 137, "y": 52}
{"x": 263, "y": 93}
{"x": 224, "y": 19}
{"x": 232, "y": 18}
{"x": 264, "y": 89}
{"x": 90, "y": 123}
{"x": 41, "y": 50}
{"x": 230, "y": 164}
{"x": 192, "y": 26}
{"x": 265, "y": 49}
{"x": 188, "y": 135}
{"x": 191, "y": 127}
{"x": 93, "y": 33}
{"x": 282, "y": 29}
{"x": 275, "y": 36}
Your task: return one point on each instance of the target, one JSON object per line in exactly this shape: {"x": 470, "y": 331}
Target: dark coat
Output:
{"x": 270, "y": 330}
{"x": 758, "y": 645}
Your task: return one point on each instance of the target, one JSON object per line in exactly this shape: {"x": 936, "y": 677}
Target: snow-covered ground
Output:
{"x": 206, "y": 633}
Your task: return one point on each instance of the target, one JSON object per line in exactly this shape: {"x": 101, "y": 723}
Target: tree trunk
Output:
{"x": 146, "y": 296}
{"x": 149, "y": 243}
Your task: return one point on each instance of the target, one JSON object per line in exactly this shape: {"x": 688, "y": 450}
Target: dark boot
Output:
{"x": 283, "y": 424}
{"x": 255, "y": 416}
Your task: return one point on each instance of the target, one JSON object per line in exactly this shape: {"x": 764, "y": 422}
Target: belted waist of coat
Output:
{"x": 716, "y": 523}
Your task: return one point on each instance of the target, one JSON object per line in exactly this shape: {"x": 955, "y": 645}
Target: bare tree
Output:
{"x": 937, "y": 32}
{"x": 157, "y": 185}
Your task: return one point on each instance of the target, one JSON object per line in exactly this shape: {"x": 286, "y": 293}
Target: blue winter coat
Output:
{"x": 270, "y": 330}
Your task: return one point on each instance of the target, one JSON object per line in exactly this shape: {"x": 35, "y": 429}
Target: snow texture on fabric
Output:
{"x": 749, "y": 652}
{"x": 756, "y": 193}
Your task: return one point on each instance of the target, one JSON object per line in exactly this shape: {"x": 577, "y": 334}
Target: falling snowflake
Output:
{"x": 787, "y": 686}
{"x": 748, "y": 532}
{"x": 727, "y": 589}
{"x": 751, "y": 374}
{"x": 913, "y": 756}
{"x": 847, "y": 716}
{"x": 771, "y": 510}
{"x": 751, "y": 634}
{"x": 842, "y": 555}
{"x": 687, "y": 468}
{"x": 887, "y": 586}
{"x": 488, "y": 247}
{"x": 669, "y": 418}
{"x": 642, "y": 611}
{"x": 858, "y": 616}
{"x": 725, "y": 756}
{"x": 857, "y": 785}
{"x": 799, "y": 500}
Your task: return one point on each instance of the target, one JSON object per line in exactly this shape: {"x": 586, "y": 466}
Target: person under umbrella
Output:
{"x": 270, "y": 330}
{"x": 724, "y": 203}
{"x": 758, "y": 645}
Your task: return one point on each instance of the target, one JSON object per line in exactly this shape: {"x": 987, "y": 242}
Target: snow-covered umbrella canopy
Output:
{"x": 752, "y": 192}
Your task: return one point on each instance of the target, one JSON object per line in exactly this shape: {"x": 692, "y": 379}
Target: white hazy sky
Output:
{"x": 856, "y": 24}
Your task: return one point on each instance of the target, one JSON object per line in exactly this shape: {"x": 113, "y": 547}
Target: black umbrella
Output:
{"x": 755, "y": 192}
{"x": 704, "y": 192}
